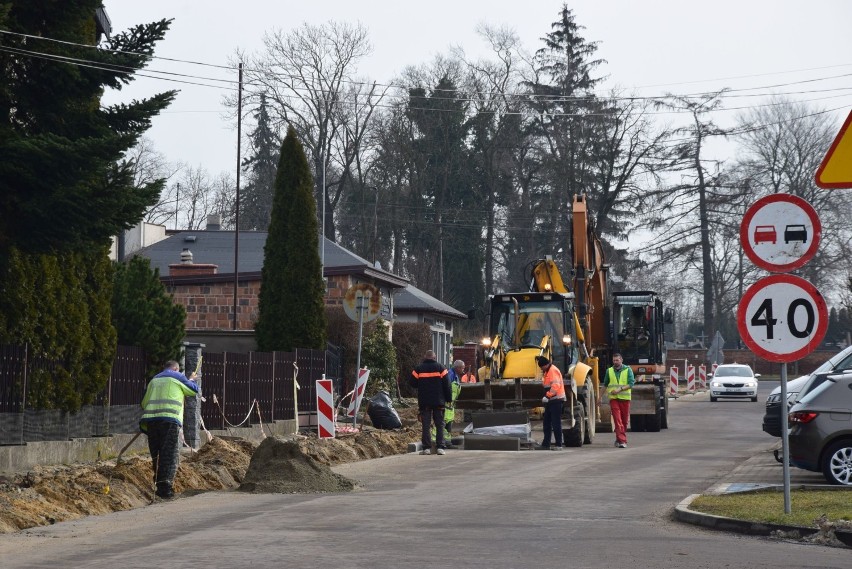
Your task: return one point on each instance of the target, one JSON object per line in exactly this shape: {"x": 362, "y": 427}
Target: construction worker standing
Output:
{"x": 617, "y": 384}
{"x": 432, "y": 383}
{"x": 456, "y": 375}
{"x": 162, "y": 418}
{"x": 554, "y": 401}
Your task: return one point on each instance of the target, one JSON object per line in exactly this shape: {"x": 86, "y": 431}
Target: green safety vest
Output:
{"x": 164, "y": 400}
{"x": 616, "y": 381}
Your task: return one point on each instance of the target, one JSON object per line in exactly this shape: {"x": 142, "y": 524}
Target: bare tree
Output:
{"x": 307, "y": 76}
{"x": 783, "y": 144}
{"x": 149, "y": 166}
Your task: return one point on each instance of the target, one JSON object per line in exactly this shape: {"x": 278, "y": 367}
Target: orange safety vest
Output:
{"x": 552, "y": 381}
{"x": 468, "y": 378}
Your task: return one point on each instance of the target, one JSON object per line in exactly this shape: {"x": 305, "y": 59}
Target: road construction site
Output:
{"x": 476, "y": 508}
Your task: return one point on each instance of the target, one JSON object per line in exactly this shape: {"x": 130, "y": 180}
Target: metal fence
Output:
{"x": 230, "y": 382}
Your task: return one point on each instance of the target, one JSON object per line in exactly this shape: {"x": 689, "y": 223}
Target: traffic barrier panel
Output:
{"x": 702, "y": 376}
{"x": 355, "y": 402}
{"x": 325, "y": 409}
{"x": 673, "y": 380}
{"x": 690, "y": 378}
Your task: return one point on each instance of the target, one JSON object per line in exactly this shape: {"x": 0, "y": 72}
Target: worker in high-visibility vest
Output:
{"x": 554, "y": 401}
{"x": 456, "y": 374}
{"x": 162, "y": 418}
{"x": 617, "y": 384}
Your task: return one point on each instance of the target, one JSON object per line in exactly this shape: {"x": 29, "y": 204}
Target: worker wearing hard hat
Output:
{"x": 617, "y": 384}
{"x": 554, "y": 401}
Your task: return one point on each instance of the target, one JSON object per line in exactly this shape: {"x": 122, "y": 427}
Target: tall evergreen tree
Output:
{"x": 63, "y": 181}
{"x": 569, "y": 124}
{"x": 66, "y": 187}
{"x": 291, "y": 311}
{"x": 256, "y": 197}
{"x": 144, "y": 313}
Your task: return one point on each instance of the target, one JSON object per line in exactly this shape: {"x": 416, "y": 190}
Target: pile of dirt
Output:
{"x": 50, "y": 494}
{"x": 281, "y": 466}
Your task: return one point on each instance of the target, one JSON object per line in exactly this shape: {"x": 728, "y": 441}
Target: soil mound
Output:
{"x": 281, "y": 466}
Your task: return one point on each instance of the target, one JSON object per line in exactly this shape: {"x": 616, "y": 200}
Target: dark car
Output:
{"x": 799, "y": 387}
{"x": 795, "y": 233}
{"x": 821, "y": 429}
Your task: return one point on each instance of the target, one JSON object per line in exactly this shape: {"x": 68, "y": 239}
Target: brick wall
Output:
{"x": 337, "y": 287}
{"x": 209, "y": 306}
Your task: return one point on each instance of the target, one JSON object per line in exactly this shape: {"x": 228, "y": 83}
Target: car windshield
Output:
{"x": 841, "y": 361}
{"x": 733, "y": 371}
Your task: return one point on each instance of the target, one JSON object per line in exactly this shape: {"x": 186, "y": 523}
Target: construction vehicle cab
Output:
{"x": 523, "y": 326}
{"x": 639, "y": 336}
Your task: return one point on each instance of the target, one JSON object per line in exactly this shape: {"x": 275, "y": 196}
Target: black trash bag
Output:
{"x": 381, "y": 412}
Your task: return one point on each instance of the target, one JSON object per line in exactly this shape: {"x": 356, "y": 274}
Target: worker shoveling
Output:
{"x": 281, "y": 466}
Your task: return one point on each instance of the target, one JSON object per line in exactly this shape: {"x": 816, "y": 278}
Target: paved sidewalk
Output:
{"x": 762, "y": 471}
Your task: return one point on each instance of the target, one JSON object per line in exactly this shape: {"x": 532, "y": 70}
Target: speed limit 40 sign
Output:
{"x": 782, "y": 318}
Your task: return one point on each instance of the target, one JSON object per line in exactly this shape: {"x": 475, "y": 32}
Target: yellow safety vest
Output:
{"x": 616, "y": 381}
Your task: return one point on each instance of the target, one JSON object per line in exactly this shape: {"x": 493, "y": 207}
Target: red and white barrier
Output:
{"x": 325, "y": 409}
{"x": 355, "y": 402}
{"x": 702, "y": 376}
{"x": 673, "y": 381}
{"x": 713, "y": 371}
{"x": 690, "y": 378}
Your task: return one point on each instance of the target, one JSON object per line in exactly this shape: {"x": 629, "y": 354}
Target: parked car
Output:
{"x": 821, "y": 429}
{"x": 733, "y": 380}
{"x": 799, "y": 387}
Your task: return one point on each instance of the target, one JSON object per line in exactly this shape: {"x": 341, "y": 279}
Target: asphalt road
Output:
{"x": 597, "y": 506}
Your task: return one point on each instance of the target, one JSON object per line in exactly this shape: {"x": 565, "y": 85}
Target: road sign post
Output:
{"x": 782, "y": 317}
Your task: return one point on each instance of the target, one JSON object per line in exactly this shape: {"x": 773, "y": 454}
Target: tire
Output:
{"x": 837, "y": 463}
{"x": 591, "y": 413}
{"x": 664, "y": 419}
{"x": 637, "y": 423}
{"x": 754, "y": 399}
{"x": 575, "y": 437}
{"x": 713, "y": 399}
{"x": 653, "y": 423}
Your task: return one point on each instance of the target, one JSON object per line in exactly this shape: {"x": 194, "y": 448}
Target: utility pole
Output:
{"x": 237, "y": 200}
{"x": 177, "y": 202}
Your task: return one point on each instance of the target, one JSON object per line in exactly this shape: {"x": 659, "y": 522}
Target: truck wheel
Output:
{"x": 637, "y": 423}
{"x": 664, "y": 418}
{"x": 654, "y": 422}
{"x": 591, "y": 414}
{"x": 575, "y": 437}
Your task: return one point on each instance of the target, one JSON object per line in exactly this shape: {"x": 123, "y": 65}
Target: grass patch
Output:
{"x": 768, "y": 506}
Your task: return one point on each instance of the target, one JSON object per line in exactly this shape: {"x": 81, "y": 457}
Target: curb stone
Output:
{"x": 682, "y": 513}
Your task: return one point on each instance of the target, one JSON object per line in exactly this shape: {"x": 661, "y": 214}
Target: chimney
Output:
{"x": 214, "y": 222}
{"x": 187, "y": 268}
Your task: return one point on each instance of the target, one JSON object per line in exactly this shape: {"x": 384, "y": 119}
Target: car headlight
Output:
{"x": 716, "y": 384}
{"x": 774, "y": 398}
{"x": 750, "y": 384}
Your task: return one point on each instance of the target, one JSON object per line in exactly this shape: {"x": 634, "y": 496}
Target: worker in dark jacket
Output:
{"x": 432, "y": 383}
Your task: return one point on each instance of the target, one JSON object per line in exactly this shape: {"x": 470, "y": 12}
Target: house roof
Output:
{"x": 412, "y": 299}
{"x": 217, "y": 247}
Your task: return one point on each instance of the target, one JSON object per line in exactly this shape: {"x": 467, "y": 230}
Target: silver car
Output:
{"x": 733, "y": 380}
{"x": 821, "y": 429}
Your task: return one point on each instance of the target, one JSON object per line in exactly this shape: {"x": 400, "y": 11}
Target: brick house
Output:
{"x": 197, "y": 268}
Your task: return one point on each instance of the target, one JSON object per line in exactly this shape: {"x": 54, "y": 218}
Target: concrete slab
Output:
{"x": 488, "y": 442}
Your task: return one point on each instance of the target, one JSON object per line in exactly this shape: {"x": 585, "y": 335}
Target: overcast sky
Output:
{"x": 651, "y": 46}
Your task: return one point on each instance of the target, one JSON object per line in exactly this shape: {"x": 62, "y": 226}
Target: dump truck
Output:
{"x": 574, "y": 329}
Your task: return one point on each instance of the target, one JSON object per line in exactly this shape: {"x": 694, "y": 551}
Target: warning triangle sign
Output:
{"x": 836, "y": 168}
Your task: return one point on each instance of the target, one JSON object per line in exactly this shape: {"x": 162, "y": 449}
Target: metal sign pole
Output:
{"x": 785, "y": 442}
{"x": 360, "y": 306}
